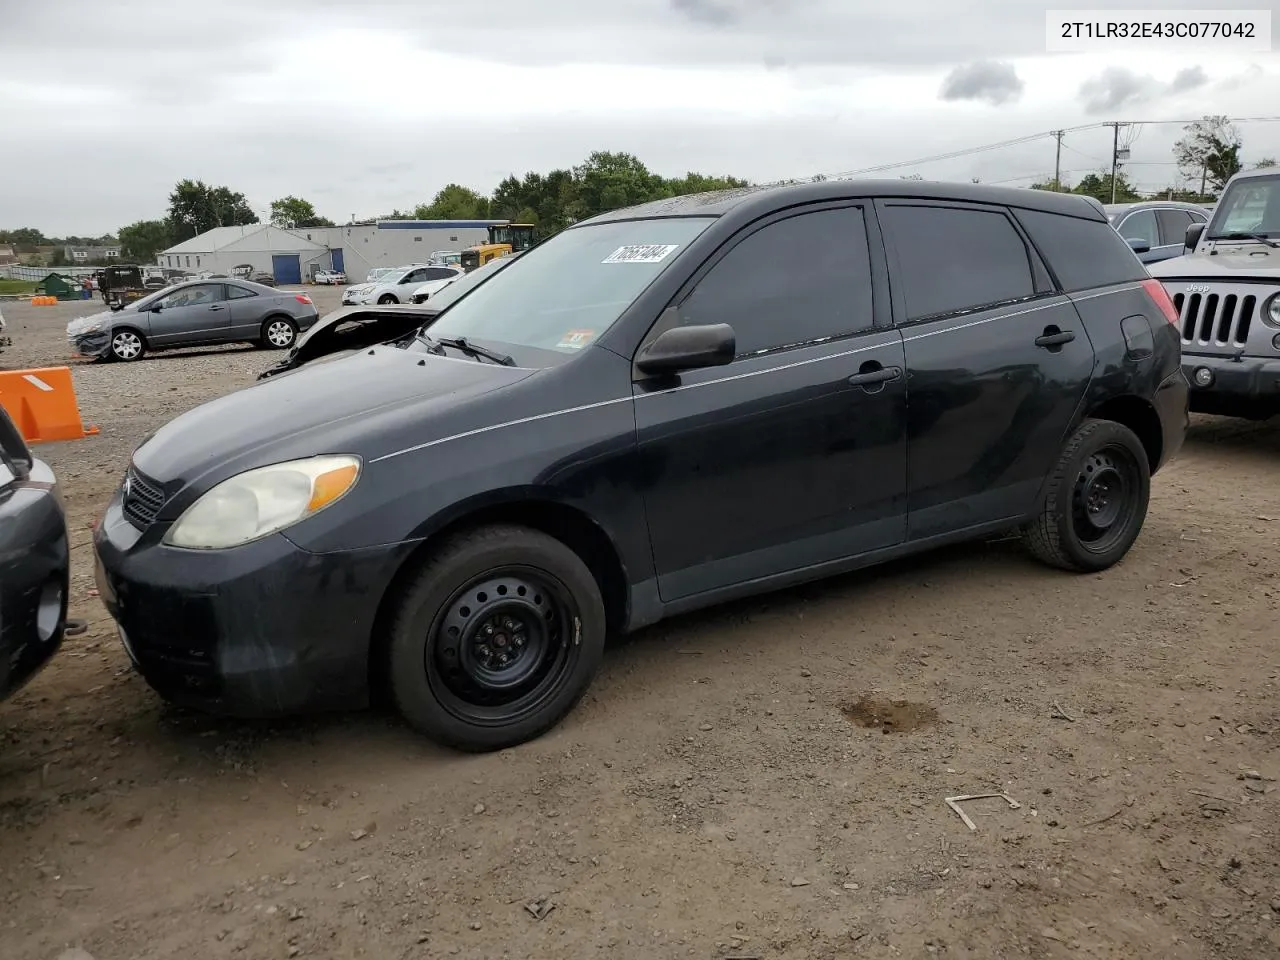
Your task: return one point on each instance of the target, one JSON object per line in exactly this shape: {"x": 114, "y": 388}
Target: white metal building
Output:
{"x": 357, "y": 248}
{"x": 280, "y": 252}
{"x": 295, "y": 255}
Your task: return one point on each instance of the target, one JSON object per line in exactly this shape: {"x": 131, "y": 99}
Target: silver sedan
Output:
{"x": 196, "y": 314}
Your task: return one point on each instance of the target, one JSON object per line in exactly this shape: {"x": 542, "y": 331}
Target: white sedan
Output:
{"x": 330, "y": 277}
{"x": 432, "y": 287}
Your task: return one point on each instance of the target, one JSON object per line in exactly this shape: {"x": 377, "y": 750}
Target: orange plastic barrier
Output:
{"x": 44, "y": 301}
{"x": 42, "y": 402}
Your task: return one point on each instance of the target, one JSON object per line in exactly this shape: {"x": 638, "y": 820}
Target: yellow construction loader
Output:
{"x": 504, "y": 239}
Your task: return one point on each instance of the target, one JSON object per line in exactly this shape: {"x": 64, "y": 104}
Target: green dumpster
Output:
{"x": 60, "y": 286}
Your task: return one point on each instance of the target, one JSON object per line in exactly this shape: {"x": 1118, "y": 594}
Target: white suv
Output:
{"x": 398, "y": 286}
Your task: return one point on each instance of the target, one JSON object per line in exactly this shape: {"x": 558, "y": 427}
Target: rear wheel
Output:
{"x": 127, "y": 345}
{"x": 1096, "y": 501}
{"x": 495, "y": 638}
{"x": 279, "y": 333}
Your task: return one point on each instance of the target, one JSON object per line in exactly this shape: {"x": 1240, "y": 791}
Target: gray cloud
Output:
{"x": 713, "y": 12}
{"x": 1115, "y": 87}
{"x": 1187, "y": 79}
{"x": 987, "y": 80}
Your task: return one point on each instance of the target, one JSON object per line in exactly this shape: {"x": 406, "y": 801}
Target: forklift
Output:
{"x": 504, "y": 239}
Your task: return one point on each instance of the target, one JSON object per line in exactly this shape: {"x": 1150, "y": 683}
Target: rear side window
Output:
{"x": 952, "y": 259}
{"x": 793, "y": 281}
{"x": 1173, "y": 225}
{"x": 1081, "y": 253}
{"x": 1141, "y": 226}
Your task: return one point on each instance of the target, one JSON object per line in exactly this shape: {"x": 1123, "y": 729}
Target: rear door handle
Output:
{"x": 217, "y": 307}
{"x": 882, "y": 375}
{"x": 1055, "y": 339}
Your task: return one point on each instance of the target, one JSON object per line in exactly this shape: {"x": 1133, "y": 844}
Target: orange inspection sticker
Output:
{"x": 576, "y": 339}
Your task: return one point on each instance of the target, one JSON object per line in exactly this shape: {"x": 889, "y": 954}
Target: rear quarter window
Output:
{"x": 1082, "y": 253}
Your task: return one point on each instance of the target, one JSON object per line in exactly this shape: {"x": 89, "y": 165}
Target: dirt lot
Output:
{"x": 718, "y": 794}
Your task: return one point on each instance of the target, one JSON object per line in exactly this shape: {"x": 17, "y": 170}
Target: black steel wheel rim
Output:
{"x": 1105, "y": 497}
{"x": 503, "y": 645}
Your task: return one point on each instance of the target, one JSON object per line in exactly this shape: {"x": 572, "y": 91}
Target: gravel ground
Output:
{"x": 729, "y": 788}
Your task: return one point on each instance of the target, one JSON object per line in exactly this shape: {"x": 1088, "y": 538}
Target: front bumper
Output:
{"x": 34, "y": 570}
{"x": 96, "y": 344}
{"x": 1247, "y": 388}
{"x": 262, "y": 630}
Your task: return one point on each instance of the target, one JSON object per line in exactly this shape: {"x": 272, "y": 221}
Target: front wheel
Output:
{"x": 279, "y": 333}
{"x": 387, "y": 298}
{"x": 127, "y": 345}
{"x": 1096, "y": 501}
{"x": 495, "y": 639}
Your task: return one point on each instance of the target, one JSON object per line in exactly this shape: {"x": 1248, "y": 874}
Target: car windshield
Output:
{"x": 1250, "y": 206}
{"x": 392, "y": 276}
{"x": 564, "y": 294}
{"x": 469, "y": 281}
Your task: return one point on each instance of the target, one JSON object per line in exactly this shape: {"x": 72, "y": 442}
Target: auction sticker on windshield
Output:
{"x": 575, "y": 339}
{"x": 641, "y": 253}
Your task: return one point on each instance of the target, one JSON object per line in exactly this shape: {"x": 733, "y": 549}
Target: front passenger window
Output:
{"x": 794, "y": 281}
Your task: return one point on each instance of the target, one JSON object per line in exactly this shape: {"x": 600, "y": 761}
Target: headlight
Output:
{"x": 1273, "y": 311}
{"x": 260, "y": 502}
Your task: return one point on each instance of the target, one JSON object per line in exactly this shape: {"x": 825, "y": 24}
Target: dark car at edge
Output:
{"x": 656, "y": 410}
{"x": 35, "y": 562}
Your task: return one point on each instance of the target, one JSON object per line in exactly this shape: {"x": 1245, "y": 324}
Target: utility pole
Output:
{"x": 1115, "y": 154}
{"x": 1057, "y": 162}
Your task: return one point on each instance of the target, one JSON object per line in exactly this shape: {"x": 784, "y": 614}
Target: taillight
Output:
{"x": 302, "y": 298}
{"x": 1156, "y": 291}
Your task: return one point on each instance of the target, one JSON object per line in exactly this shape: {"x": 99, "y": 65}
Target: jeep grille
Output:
{"x": 1214, "y": 318}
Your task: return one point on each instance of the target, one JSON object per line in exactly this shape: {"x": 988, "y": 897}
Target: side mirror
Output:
{"x": 1138, "y": 245}
{"x": 689, "y": 348}
{"x": 1194, "y": 233}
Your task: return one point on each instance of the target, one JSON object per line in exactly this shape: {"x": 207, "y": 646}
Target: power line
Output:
{"x": 1032, "y": 138}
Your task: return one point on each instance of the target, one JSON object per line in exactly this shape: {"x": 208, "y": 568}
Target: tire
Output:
{"x": 279, "y": 333}
{"x": 127, "y": 345}
{"x": 453, "y": 685}
{"x": 387, "y": 298}
{"x": 1096, "y": 500}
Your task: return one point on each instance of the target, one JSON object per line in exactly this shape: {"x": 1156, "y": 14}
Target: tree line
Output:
{"x": 1207, "y": 156}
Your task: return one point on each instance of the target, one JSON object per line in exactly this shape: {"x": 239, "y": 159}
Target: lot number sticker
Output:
{"x": 641, "y": 253}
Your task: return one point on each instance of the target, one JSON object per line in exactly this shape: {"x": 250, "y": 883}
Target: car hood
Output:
{"x": 81, "y": 324}
{"x": 338, "y": 407}
{"x": 1234, "y": 262}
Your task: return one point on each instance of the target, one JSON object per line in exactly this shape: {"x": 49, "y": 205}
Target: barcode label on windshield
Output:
{"x": 641, "y": 253}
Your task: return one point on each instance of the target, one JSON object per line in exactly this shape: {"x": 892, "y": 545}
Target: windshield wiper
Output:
{"x": 466, "y": 346}
{"x": 1260, "y": 237}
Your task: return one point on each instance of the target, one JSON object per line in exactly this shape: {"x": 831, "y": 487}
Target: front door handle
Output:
{"x": 217, "y": 307}
{"x": 1053, "y": 337}
{"x": 870, "y": 377}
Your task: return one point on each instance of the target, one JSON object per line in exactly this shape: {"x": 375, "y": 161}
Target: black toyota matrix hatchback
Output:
{"x": 658, "y": 409}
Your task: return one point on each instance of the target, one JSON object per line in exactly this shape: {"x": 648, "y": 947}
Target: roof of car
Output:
{"x": 1114, "y": 208}
{"x": 719, "y": 202}
{"x": 1256, "y": 174}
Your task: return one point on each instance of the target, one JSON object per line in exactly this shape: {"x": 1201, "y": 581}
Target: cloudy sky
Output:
{"x": 364, "y": 107}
